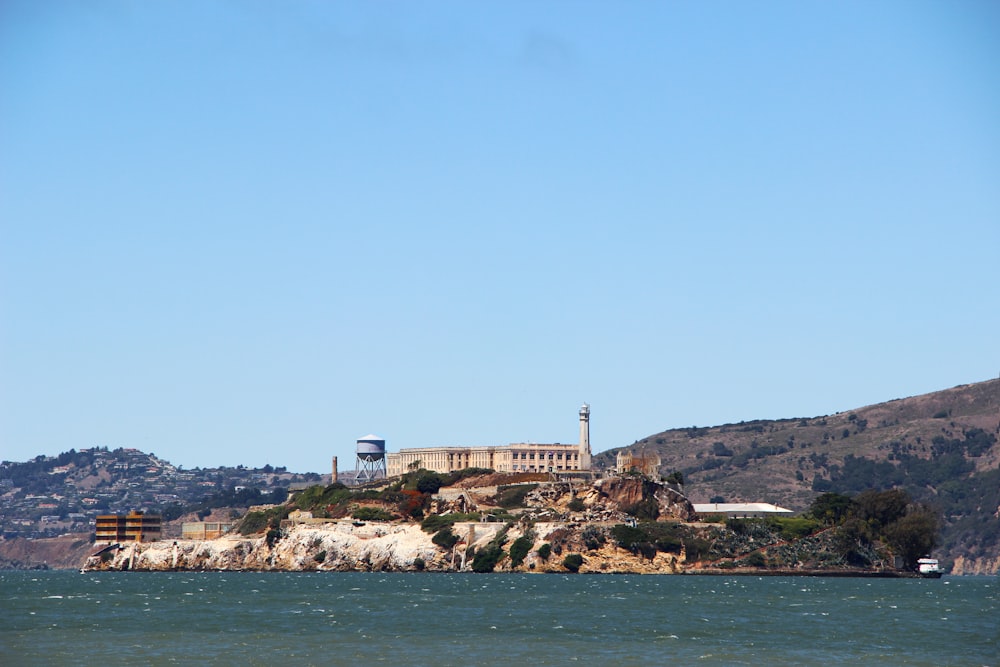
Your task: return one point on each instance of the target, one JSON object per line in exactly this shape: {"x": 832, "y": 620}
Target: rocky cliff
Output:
{"x": 626, "y": 524}
{"x": 341, "y": 546}
{"x": 554, "y": 518}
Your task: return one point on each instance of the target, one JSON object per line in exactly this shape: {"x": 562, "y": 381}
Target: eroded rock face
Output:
{"x": 339, "y": 546}
{"x": 630, "y": 491}
{"x": 984, "y": 566}
{"x": 561, "y": 512}
{"x": 375, "y": 546}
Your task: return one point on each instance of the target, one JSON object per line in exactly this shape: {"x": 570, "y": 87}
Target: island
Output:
{"x": 480, "y": 521}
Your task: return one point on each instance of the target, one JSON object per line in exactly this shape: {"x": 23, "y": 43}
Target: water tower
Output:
{"x": 371, "y": 459}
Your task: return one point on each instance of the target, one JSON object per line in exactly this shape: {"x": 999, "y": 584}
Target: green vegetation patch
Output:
{"x": 258, "y": 521}
{"x": 486, "y": 559}
{"x": 513, "y": 496}
{"x": 445, "y": 538}
{"x": 520, "y": 548}
{"x": 573, "y": 562}
{"x": 436, "y": 522}
{"x": 372, "y": 514}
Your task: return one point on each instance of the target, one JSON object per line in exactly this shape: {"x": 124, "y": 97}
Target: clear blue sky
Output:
{"x": 252, "y": 232}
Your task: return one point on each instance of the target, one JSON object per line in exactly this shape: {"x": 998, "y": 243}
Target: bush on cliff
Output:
{"x": 593, "y": 537}
{"x": 445, "y": 538}
{"x": 520, "y": 548}
{"x": 796, "y": 527}
{"x": 514, "y": 496}
{"x": 320, "y": 496}
{"x": 646, "y": 509}
{"x": 372, "y": 514}
{"x": 258, "y": 521}
{"x": 487, "y": 558}
{"x": 573, "y": 562}
{"x": 273, "y": 535}
{"x": 436, "y": 522}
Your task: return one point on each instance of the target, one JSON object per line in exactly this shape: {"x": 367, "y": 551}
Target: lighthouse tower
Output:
{"x": 585, "y": 437}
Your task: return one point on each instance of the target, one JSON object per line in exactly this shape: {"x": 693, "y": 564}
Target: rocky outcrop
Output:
{"x": 984, "y": 566}
{"x": 333, "y": 546}
{"x": 532, "y": 527}
{"x": 344, "y": 546}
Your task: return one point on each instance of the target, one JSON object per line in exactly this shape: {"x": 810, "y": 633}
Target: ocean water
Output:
{"x": 225, "y": 618}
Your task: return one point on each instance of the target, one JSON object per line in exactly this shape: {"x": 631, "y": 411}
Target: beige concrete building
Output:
{"x": 516, "y": 457}
{"x": 647, "y": 464}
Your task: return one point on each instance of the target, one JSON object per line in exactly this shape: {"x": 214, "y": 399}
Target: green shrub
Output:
{"x": 627, "y": 536}
{"x": 371, "y": 514}
{"x": 429, "y": 482}
{"x": 445, "y": 538}
{"x": 261, "y": 520}
{"x": 756, "y": 559}
{"x": 573, "y": 562}
{"x": 436, "y": 522}
{"x": 519, "y": 549}
{"x": 514, "y": 496}
{"x": 696, "y": 548}
{"x": 419, "y": 564}
{"x": 487, "y": 558}
{"x": 593, "y": 537}
{"x": 576, "y": 505}
{"x": 319, "y": 496}
{"x": 545, "y": 551}
{"x": 320, "y": 557}
{"x": 648, "y": 509}
{"x": 794, "y": 528}
{"x": 253, "y": 522}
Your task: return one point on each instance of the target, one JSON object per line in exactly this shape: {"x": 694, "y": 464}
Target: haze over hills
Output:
{"x": 940, "y": 447}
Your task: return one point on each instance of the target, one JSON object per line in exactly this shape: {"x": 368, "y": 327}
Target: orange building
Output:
{"x": 131, "y": 527}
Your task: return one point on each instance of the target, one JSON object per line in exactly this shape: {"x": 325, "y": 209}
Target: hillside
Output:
{"x": 940, "y": 447}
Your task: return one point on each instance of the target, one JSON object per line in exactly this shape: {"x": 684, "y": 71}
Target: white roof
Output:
{"x": 708, "y": 508}
{"x": 371, "y": 436}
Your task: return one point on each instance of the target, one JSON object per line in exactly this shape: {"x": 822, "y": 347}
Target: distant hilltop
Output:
{"x": 941, "y": 448}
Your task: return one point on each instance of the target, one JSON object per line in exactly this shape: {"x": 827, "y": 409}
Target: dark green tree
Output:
{"x": 914, "y": 535}
{"x": 573, "y": 562}
{"x": 831, "y": 508}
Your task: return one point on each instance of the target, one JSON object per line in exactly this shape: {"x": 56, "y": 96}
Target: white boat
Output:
{"x": 929, "y": 568}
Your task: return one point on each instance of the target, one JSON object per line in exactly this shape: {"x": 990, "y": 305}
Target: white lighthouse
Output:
{"x": 585, "y": 437}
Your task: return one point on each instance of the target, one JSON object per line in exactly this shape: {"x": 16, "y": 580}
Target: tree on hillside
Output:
{"x": 914, "y": 535}
{"x": 880, "y": 508}
{"x": 831, "y": 508}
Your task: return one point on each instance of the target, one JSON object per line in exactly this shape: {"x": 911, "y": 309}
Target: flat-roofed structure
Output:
{"x": 644, "y": 463}
{"x": 204, "y": 530}
{"x": 516, "y": 457}
{"x": 741, "y": 510}
{"x": 131, "y": 527}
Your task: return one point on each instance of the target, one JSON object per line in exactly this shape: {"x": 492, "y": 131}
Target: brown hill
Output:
{"x": 942, "y": 448}
{"x": 63, "y": 552}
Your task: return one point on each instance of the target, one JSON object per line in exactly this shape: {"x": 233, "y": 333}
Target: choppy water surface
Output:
{"x": 66, "y": 618}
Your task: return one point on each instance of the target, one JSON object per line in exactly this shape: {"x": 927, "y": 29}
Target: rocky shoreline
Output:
{"x": 387, "y": 547}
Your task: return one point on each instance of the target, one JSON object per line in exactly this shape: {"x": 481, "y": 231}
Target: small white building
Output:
{"x": 741, "y": 510}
